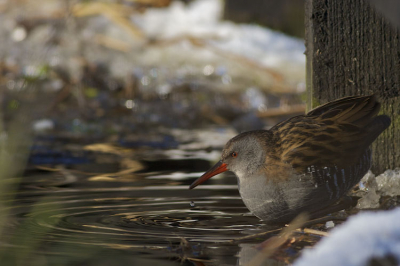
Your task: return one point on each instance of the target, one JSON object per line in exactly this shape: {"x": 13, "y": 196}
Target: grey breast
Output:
{"x": 317, "y": 188}
{"x": 271, "y": 201}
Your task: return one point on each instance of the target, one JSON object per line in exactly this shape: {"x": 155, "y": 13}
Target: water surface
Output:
{"x": 71, "y": 216}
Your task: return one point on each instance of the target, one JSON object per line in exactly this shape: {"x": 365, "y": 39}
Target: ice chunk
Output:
{"x": 329, "y": 224}
{"x": 389, "y": 183}
{"x": 386, "y": 184}
{"x": 370, "y": 198}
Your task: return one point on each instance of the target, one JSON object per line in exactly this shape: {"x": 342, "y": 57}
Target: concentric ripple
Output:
{"x": 133, "y": 220}
{"x": 116, "y": 216}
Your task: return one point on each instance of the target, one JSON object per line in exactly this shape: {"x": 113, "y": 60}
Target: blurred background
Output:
{"x": 110, "y": 109}
{"x": 102, "y": 68}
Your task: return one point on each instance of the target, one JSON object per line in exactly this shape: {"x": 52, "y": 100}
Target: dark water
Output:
{"x": 151, "y": 218}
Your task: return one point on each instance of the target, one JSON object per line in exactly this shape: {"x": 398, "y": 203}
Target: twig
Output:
{"x": 289, "y": 110}
{"x": 312, "y": 231}
{"x": 255, "y": 235}
{"x": 115, "y": 12}
{"x": 323, "y": 220}
{"x": 272, "y": 244}
{"x": 112, "y": 43}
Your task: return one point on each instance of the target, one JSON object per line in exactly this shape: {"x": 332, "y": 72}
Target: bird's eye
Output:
{"x": 234, "y": 154}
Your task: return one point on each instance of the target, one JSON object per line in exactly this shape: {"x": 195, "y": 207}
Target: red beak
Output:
{"x": 215, "y": 170}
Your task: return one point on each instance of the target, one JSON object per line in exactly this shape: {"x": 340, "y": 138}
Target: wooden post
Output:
{"x": 352, "y": 49}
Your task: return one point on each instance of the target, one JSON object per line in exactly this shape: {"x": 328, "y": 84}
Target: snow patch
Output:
{"x": 365, "y": 236}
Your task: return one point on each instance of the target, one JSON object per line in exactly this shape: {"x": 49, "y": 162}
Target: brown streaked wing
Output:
{"x": 322, "y": 144}
{"x": 355, "y": 109}
{"x": 334, "y": 134}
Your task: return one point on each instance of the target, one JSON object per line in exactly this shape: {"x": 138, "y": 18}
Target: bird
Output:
{"x": 304, "y": 164}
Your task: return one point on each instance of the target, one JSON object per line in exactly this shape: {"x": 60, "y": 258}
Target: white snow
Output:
{"x": 196, "y": 19}
{"x": 43, "y": 125}
{"x": 367, "y": 235}
{"x": 364, "y": 236}
{"x": 202, "y": 19}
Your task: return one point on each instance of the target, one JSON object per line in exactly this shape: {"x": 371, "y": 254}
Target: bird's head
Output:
{"x": 244, "y": 155}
